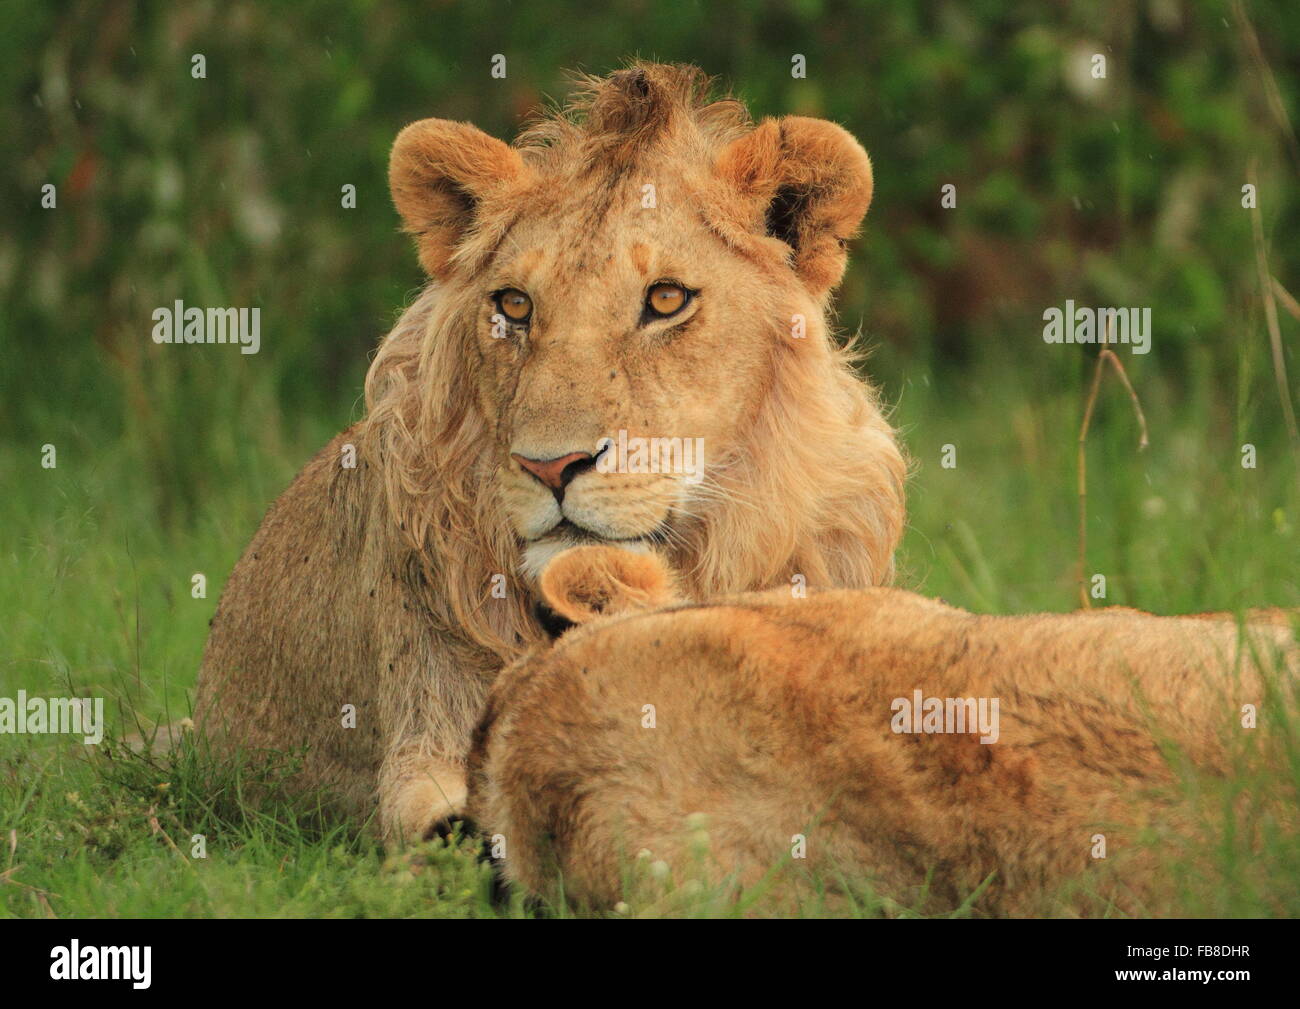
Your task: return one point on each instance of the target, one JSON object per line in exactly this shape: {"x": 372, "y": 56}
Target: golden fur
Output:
{"x": 402, "y": 585}
{"x": 772, "y": 718}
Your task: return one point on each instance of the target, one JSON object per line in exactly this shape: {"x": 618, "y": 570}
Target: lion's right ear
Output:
{"x": 587, "y": 582}
{"x": 439, "y": 173}
{"x": 806, "y": 182}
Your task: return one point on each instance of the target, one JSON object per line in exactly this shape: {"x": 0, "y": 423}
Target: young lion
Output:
{"x": 644, "y": 268}
{"x": 768, "y": 724}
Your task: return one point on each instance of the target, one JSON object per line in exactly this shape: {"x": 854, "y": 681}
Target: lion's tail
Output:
{"x": 161, "y": 739}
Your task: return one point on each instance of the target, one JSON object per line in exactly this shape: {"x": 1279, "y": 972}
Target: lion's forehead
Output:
{"x": 632, "y": 255}
{"x": 653, "y": 239}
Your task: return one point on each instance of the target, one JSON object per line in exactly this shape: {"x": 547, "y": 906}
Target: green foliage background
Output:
{"x": 226, "y": 191}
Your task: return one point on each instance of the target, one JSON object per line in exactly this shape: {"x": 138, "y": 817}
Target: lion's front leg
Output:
{"x": 432, "y": 689}
{"x": 418, "y": 792}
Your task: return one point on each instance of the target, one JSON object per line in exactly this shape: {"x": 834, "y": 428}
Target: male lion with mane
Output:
{"x": 646, "y": 263}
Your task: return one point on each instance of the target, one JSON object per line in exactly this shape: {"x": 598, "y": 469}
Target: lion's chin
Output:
{"x": 538, "y": 553}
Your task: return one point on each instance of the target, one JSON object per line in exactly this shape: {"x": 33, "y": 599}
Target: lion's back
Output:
{"x": 775, "y": 718}
{"x": 291, "y": 641}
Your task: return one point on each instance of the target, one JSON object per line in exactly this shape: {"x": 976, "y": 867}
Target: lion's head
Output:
{"x": 624, "y": 340}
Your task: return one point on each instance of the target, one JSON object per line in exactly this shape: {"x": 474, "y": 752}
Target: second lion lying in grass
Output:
{"x": 858, "y": 737}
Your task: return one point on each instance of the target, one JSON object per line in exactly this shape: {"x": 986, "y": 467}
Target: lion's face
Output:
{"x": 633, "y": 300}
{"x": 622, "y": 357}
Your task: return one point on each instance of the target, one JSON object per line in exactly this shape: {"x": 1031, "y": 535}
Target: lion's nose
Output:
{"x": 557, "y": 473}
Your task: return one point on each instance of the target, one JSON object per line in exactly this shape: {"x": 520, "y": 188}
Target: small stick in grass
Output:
{"x": 1266, "y": 283}
{"x": 1105, "y": 355}
{"x": 1287, "y": 298}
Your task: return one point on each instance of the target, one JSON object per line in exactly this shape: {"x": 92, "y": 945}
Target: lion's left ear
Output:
{"x": 811, "y": 182}
{"x": 439, "y": 173}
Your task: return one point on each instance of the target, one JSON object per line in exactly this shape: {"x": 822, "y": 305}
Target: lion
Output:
{"x": 644, "y": 267}
{"x": 719, "y": 738}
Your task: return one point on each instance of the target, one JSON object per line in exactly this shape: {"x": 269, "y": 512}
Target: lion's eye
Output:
{"x": 515, "y": 305}
{"x": 664, "y": 300}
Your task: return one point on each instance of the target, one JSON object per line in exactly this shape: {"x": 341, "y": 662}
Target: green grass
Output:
{"x": 95, "y": 596}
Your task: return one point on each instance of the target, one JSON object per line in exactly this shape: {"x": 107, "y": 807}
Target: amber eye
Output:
{"x": 665, "y": 299}
{"x": 515, "y": 305}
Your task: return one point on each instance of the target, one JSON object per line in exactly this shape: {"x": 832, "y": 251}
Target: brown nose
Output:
{"x": 556, "y": 473}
